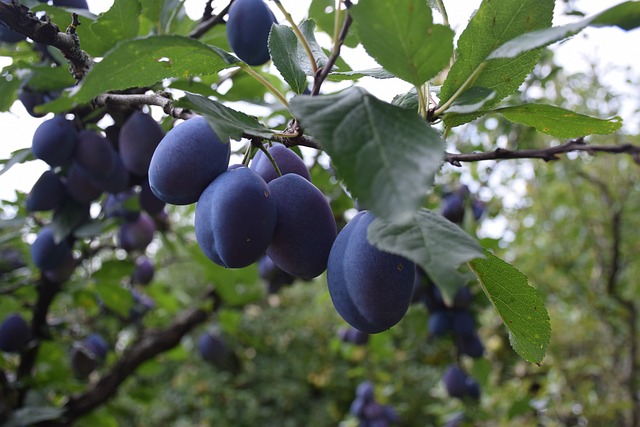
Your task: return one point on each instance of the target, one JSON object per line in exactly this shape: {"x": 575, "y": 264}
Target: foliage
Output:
{"x": 288, "y": 364}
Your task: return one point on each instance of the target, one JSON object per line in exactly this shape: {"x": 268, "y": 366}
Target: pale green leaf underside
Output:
{"x": 625, "y": 16}
{"x": 283, "y": 41}
{"x": 493, "y": 24}
{"x": 402, "y": 37}
{"x": 226, "y": 123}
{"x": 146, "y": 61}
{"x": 386, "y": 155}
{"x": 378, "y": 73}
{"x": 559, "y": 122}
{"x": 472, "y": 100}
{"x": 519, "y": 304}
{"x": 432, "y": 242}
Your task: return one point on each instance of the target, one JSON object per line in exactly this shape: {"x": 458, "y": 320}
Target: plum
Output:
{"x": 47, "y": 193}
{"x": 186, "y": 161}
{"x": 14, "y": 333}
{"x": 285, "y": 158}
{"x": 235, "y": 218}
{"x": 54, "y": 141}
{"x": 305, "y": 228}
{"x": 46, "y": 253}
{"x": 248, "y": 26}
{"x": 371, "y": 289}
{"x": 139, "y": 137}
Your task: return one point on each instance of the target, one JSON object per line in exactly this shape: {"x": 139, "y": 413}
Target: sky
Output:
{"x": 607, "y": 47}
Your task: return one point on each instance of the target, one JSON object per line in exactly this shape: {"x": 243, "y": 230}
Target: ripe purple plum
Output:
{"x": 54, "y": 141}
{"x": 235, "y": 218}
{"x": 305, "y": 228}
{"x": 186, "y": 161}
{"x": 46, "y": 253}
{"x": 371, "y": 289}
{"x": 137, "y": 235}
{"x": 47, "y": 193}
{"x": 144, "y": 271}
{"x": 248, "y": 25}
{"x": 94, "y": 154}
{"x": 14, "y": 333}
{"x": 139, "y": 137}
{"x": 285, "y": 158}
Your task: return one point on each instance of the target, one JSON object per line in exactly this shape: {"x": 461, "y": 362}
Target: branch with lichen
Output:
{"x": 20, "y": 19}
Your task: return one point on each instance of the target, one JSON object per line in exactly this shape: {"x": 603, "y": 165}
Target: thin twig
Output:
{"x": 19, "y": 18}
{"x": 546, "y": 154}
{"x": 208, "y": 24}
{"x": 323, "y": 73}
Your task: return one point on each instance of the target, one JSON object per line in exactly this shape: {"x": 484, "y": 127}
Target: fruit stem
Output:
{"x": 247, "y": 155}
{"x": 265, "y": 83}
{"x": 472, "y": 78}
{"x": 423, "y": 106}
{"x": 300, "y": 36}
{"x": 270, "y": 157}
{"x": 336, "y": 23}
{"x": 443, "y": 12}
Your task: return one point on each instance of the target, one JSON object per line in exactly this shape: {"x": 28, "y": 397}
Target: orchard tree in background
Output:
{"x": 132, "y": 275}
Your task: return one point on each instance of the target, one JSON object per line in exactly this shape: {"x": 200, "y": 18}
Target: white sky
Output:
{"x": 606, "y": 46}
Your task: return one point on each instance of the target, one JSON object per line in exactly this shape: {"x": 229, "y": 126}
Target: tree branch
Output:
{"x": 547, "y": 154}
{"x": 132, "y": 101}
{"x": 19, "y": 18}
{"x": 322, "y": 74}
{"x": 207, "y": 24}
{"x": 149, "y": 345}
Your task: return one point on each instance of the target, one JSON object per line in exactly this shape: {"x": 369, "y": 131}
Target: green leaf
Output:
{"x": 386, "y": 155}
{"x": 225, "y": 122}
{"x": 519, "y": 304}
{"x": 9, "y": 85}
{"x": 493, "y": 24}
{"x": 378, "y": 73}
{"x": 559, "y": 122}
{"x": 119, "y": 23}
{"x": 308, "y": 30}
{"x": 625, "y": 16}
{"x": 401, "y": 36}
{"x": 407, "y": 100}
{"x": 17, "y": 157}
{"x": 115, "y": 297}
{"x": 472, "y": 100}
{"x": 145, "y": 61}
{"x": 432, "y": 242}
{"x": 47, "y": 78}
{"x": 67, "y": 218}
{"x": 30, "y": 415}
{"x": 282, "y": 42}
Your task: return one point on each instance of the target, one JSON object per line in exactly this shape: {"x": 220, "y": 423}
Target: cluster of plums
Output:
{"x": 84, "y": 165}
{"x": 456, "y": 319}
{"x": 244, "y": 212}
{"x": 369, "y": 412}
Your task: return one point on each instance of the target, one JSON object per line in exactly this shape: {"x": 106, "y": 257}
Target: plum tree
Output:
{"x": 80, "y": 186}
{"x": 235, "y": 218}
{"x": 54, "y": 141}
{"x": 286, "y": 159}
{"x": 94, "y": 154}
{"x": 248, "y": 27}
{"x": 186, "y": 161}
{"x": 14, "y": 333}
{"x": 305, "y": 228}
{"x": 46, "y": 253}
{"x": 47, "y": 193}
{"x": 139, "y": 137}
{"x": 370, "y": 289}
